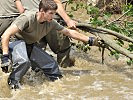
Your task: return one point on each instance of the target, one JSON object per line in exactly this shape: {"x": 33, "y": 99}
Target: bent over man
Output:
{"x": 60, "y": 45}
{"x": 28, "y": 29}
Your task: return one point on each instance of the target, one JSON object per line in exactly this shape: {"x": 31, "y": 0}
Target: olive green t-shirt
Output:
{"x": 8, "y": 8}
{"x": 31, "y": 30}
{"x": 30, "y": 4}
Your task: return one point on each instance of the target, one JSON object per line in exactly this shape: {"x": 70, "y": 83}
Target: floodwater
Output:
{"x": 89, "y": 79}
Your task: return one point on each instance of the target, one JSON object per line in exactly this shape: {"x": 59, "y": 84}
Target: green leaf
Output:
{"x": 130, "y": 62}
{"x": 117, "y": 56}
{"x": 73, "y": 8}
{"x": 92, "y": 11}
{"x": 120, "y": 42}
{"x": 115, "y": 53}
{"x": 70, "y": 15}
{"x": 114, "y": 27}
{"x": 130, "y": 48}
{"x": 70, "y": 1}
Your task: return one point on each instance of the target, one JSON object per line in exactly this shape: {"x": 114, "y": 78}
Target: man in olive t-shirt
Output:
{"x": 29, "y": 28}
{"x": 60, "y": 45}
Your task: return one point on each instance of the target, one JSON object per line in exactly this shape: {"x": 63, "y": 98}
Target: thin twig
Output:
{"x": 118, "y": 18}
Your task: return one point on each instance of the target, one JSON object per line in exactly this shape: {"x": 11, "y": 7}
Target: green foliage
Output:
{"x": 75, "y": 8}
{"x": 70, "y": 1}
{"x": 130, "y": 62}
{"x": 101, "y": 19}
{"x": 129, "y": 29}
{"x": 106, "y": 15}
{"x": 128, "y": 7}
{"x": 120, "y": 42}
{"x": 114, "y": 27}
{"x": 70, "y": 15}
{"x": 97, "y": 22}
{"x": 83, "y": 47}
{"x": 93, "y": 11}
{"x": 130, "y": 48}
{"x": 115, "y": 54}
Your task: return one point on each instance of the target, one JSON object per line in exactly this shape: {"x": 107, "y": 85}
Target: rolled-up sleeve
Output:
{"x": 57, "y": 26}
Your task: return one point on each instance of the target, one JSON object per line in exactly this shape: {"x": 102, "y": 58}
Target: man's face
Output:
{"x": 48, "y": 16}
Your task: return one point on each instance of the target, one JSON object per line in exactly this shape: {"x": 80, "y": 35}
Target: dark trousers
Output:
{"x": 59, "y": 44}
{"x": 21, "y": 61}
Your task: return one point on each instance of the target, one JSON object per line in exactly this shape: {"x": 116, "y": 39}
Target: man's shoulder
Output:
{"x": 54, "y": 22}
{"x": 26, "y": 17}
{"x": 31, "y": 13}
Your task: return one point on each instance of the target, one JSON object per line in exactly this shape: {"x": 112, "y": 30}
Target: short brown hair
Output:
{"x": 47, "y": 5}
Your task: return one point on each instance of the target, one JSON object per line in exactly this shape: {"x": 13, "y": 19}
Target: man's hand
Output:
{"x": 5, "y": 63}
{"x": 71, "y": 24}
{"x": 95, "y": 41}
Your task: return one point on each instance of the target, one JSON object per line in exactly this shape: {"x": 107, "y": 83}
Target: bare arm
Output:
{"x": 63, "y": 14}
{"x": 75, "y": 35}
{"x": 6, "y": 36}
{"x": 19, "y": 6}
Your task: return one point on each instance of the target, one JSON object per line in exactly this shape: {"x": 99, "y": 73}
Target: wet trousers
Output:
{"x": 59, "y": 44}
{"x": 22, "y": 61}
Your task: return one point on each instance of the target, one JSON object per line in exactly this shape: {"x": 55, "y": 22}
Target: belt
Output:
{"x": 8, "y": 17}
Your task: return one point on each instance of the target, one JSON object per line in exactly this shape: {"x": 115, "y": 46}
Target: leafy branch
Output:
{"x": 100, "y": 24}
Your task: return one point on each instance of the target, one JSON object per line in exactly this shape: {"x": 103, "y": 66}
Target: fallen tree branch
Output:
{"x": 107, "y": 40}
{"x": 104, "y": 31}
{"x": 115, "y": 46}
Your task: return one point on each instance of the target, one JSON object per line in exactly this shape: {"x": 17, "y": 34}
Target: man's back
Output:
{"x": 30, "y": 4}
{"x": 8, "y": 8}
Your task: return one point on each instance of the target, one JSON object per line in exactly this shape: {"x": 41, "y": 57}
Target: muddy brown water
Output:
{"x": 87, "y": 80}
